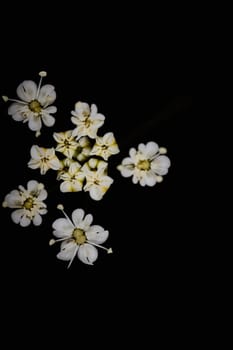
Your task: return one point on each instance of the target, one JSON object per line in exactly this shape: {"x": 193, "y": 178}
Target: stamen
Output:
{"x": 6, "y": 98}
{"x": 71, "y": 260}
{"x": 38, "y": 133}
{"x": 109, "y": 250}
{"x": 53, "y": 241}
{"x": 60, "y": 207}
{"x": 162, "y": 150}
{"x": 41, "y": 74}
{"x": 159, "y": 178}
{"x": 40, "y": 186}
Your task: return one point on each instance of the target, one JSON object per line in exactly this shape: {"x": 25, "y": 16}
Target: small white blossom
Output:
{"x": 44, "y": 158}
{"x": 146, "y": 165}
{"x": 105, "y": 146}
{"x": 28, "y": 203}
{"x": 34, "y": 104}
{"x": 97, "y": 180}
{"x": 66, "y": 143}
{"x": 87, "y": 120}
{"x": 72, "y": 178}
{"x": 79, "y": 238}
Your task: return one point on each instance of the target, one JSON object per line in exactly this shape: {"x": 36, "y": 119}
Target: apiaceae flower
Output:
{"x": 147, "y": 164}
{"x": 34, "y": 104}
{"x": 78, "y": 237}
{"x": 28, "y": 202}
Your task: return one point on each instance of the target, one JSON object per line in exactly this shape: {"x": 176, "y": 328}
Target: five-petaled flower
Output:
{"x": 78, "y": 237}
{"x": 87, "y": 120}
{"x": 146, "y": 165}
{"x": 44, "y": 158}
{"x": 28, "y": 203}
{"x": 34, "y": 104}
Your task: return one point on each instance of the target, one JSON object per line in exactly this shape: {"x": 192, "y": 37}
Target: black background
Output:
{"x": 122, "y": 71}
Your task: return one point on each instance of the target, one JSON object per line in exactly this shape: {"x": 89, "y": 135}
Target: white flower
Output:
{"x": 28, "y": 203}
{"x": 97, "y": 180}
{"x": 105, "y": 146}
{"x": 72, "y": 178}
{"x": 44, "y": 158}
{"x": 78, "y": 237}
{"x": 146, "y": 165}
{"x": 66, "y": 143}
{"x": 34, "y": 104}
{"x": 87, "y": 119}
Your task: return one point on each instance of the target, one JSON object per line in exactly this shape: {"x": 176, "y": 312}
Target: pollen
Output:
{"x": 35, "y": 106}
{"x": 79, "y": 236}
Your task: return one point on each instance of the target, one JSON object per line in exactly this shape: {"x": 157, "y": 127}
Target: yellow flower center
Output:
{"x": 143, "y": 164}
{"x": 79, "y": 236}
{"x": 35, "y": 106}
{"x": 28, "y": 204}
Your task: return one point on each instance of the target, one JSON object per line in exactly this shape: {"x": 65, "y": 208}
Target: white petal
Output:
{"x": 27, "y": 90}
{"x": 160, "y": 165}
{"x": 142, "y": 148}
{"x": 151, "y": 149}
{"x": 25, "y": 221}
{"x": 47, "y": 95}
{"x": 126, "y": 172}
{"x": 127, "y": 161}
{"x": 42, "y": 195}
{"x": 87, "y": 253}
{"x": 63, "y": 228}
{"x": 55, "y": 163}
{"x": 16, "y": 215}
{"x": 97, "y": 234}
{"x": 50, "y": 109}
{"x": 18, "y": 111}
{"x": 66, "y": 186}
{"x": 96, "y": 192}
{"x": 34, "y": 123}
{"x": 32, "y": 186}
{"x": 35, "y": 152}
{"x": 77, "y": 216}
{"x": 13, "y": 199}
{"x": 47, "y": 119}
{"x": 86, "y": 222}
{"x": 37, "y": 220}
{"x": 67, "y": 250}
{"x": 150, "y": 178}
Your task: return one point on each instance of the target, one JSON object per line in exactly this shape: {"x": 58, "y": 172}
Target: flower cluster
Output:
{"x": 80, "y": 159}
{"x": 82, "y": 163}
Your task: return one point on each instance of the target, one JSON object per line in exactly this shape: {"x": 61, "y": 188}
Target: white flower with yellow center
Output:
{"x": 28, "y": 203}
{"x": 87, "y": 120}
{"x": 44, "y": 158}
{"x": 105, "y": 146}
{"x": 34, "y": 104}
{"x": 78, "y": 237}
{"x": 146, "y": 165}
{"x": 72, "y": 178}
{"x": 66, "y": 143}
{"x": 97, "y": 180}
